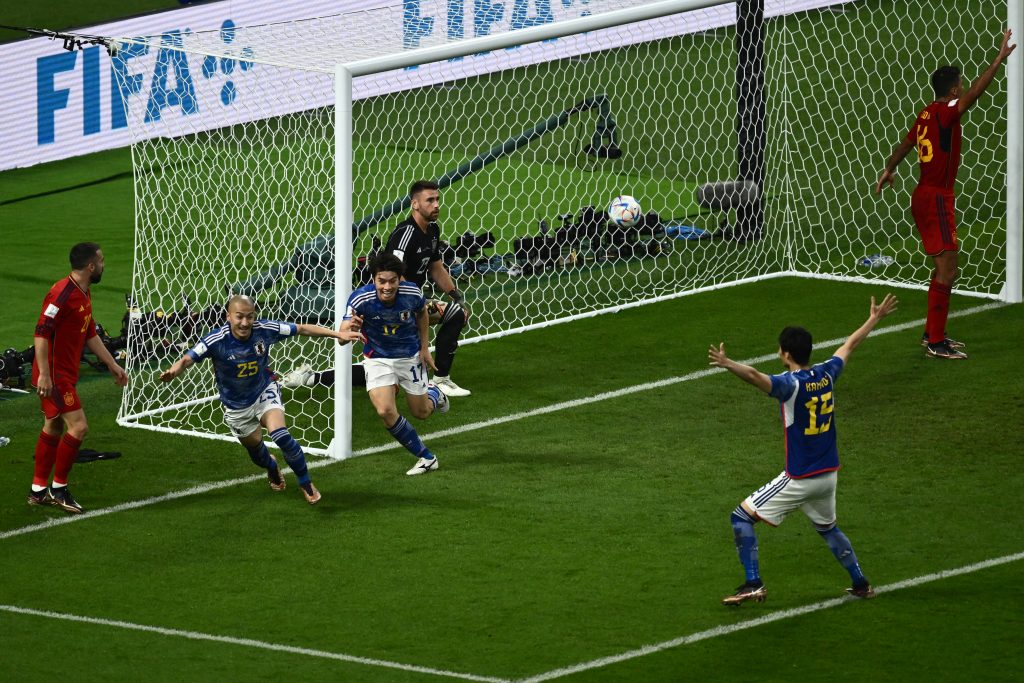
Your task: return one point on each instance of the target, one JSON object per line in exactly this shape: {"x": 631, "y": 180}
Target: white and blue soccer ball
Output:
{"x": 624, "y": 211}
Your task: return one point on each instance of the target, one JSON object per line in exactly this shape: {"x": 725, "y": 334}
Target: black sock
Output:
{"x": 447, "y": 340}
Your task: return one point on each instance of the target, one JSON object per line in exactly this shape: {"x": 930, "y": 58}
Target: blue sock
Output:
{"x": 746, "y": 543}
{"x": 406, "y": 435}
{"x": 434, "y": 394}
{"x": 261, "y": 456}
{"x": 840, "y": 546}
{"x": 293, "y": 454}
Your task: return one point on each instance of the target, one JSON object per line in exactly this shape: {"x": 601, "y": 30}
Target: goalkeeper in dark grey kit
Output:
{"x": 416, "y": 242}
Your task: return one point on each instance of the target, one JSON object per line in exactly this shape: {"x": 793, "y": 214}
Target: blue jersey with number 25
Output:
{"x": 388, "y": 331}
{"x": 242, "y": 367}
{"x": 808, "y": 412}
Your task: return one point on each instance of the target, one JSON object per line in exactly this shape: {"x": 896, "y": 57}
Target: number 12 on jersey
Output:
{"x": 817, "y": 409}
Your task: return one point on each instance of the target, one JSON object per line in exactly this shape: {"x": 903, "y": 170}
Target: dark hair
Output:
{"x": 944, "y": 79}
{"x": 421, "y": 185}
{"x": 386, "y": 262}
{"x": 796, "y": 341}
{"x": 82, "y": 254}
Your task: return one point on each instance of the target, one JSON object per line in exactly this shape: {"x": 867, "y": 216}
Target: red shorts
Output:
{"x": 935, "y": 218}
{"x": 63, "y": 399}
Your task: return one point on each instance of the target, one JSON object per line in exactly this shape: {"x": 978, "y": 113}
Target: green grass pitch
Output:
{"x": 559, "y": 538}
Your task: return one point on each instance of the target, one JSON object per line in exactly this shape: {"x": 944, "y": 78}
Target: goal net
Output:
{"x": 751, "y": 146}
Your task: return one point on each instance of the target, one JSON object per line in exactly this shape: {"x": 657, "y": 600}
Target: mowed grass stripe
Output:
{"x": 248, "y": 642}
{"x": 539, "y": 678}
{"x": 766, "y": 619}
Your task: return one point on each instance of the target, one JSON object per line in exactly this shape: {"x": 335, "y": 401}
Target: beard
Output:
{"x": 95, "y": 278}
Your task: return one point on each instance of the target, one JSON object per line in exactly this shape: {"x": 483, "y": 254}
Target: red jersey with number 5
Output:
{"x": 936, "y": 133}
{"x": 66, "y": 321}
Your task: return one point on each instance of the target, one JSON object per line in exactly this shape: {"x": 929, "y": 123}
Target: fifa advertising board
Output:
{"x": 60, "y": 104}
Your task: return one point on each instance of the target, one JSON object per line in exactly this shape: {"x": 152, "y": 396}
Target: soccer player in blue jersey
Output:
{"x": 392, "y": 316}
{"x": 812, "y": 460}
{"x": 240, "y": 352}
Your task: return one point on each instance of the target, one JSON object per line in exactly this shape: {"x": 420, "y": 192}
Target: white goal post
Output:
{"x": 751, "y": 134}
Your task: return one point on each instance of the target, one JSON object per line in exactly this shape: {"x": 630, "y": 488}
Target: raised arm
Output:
{"x": 985, "y": 79}
{"x": 750, "y": 375}
{"x": 878, "y": 311}
{"x": 898, "y": 154}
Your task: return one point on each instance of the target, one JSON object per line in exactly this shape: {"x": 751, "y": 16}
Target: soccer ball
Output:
{"x": 624, "y": 211}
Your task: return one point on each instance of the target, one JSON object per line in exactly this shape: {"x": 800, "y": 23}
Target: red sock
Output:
{"x": 46, "y": 455}
{"x": 66, "y": 454}
{"x": 938, "y": 311}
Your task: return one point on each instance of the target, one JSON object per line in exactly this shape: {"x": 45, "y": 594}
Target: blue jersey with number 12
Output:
{"x": 807, "y": 415}
{"x": 388, "y": 331}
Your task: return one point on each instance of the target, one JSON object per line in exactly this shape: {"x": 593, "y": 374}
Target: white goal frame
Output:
{"x": 344, "y": 73}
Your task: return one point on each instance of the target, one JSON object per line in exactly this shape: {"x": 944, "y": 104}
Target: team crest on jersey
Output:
{"x": 404, "y": 316}
{"x": 69, "y": 398}
{"x": 260, "y": 348}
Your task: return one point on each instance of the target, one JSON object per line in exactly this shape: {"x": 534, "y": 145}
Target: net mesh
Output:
{"x": 526, "y": 142}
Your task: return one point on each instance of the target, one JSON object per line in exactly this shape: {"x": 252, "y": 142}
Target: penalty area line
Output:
{"x": 248, "y": 642}
{"x": 444, "y": 433}
{"x": 761, "y": 621}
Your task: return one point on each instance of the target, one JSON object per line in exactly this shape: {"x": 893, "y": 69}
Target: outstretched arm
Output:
{"x": 878, "y": 311}
{"x": 183, "y": 364}
{"x": 750, "y": 375}
{"x": 985, "y": 79}
{"x": 898, "y": 154}
{"x": 344, "y": 335}
{"x": 351, "y": 329}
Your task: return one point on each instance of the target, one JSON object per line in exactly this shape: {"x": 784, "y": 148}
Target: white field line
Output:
{"x": 546, "y": 676}
{"x": 248, "y": 642}
{"x": 761, "y": 621}
{"x": 514, "y": 417}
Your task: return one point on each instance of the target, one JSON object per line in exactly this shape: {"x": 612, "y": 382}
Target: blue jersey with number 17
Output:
{"x": 808, "y": 409}
{"x": 388, "y": 331}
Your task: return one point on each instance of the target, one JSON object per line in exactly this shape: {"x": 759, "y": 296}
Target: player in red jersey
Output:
{"x": 936, "y": 135}
{"x": 65, "y": 326}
